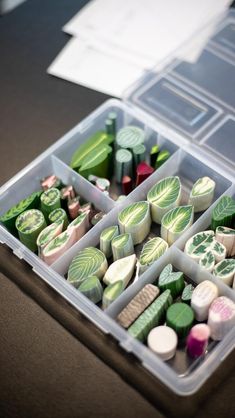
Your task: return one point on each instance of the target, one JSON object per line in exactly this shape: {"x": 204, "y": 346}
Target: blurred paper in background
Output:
{"x": 115, "y": 41}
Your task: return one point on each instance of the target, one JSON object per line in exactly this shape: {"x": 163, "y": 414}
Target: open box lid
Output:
{"x": 193, "y": 97}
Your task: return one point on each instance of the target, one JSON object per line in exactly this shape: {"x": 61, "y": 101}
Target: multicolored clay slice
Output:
{"x": 57, "y": 216}
{"x": 180, "y": 317}
{"x": 226, "y": 236}
{"x": 202, "y": 297}
{"x": 138, "y": 305}
{"x": 9, "y": 217}
{"x": 151, "y": 317}
{"x": 163, "y": 196}
{"x": 198, "y": 245}
{"x": 29, "y": 224}
{"x": 111, "y": 293}
{"x": 225, "y": 270}
{"x": 122, "y": 246}
{"x": 106, "y": 237}
{"x": 136, "y": 220}
{"x": 202, "y": 194}
{"x": 50, "y": 200}
{"x": 175, "y": 222}
{"x": 92, "y": 289}
{"x": 80, "y": 225}
{"x": 221, "y": 317}
{"x": 57, "y": 247}
{"x": 47, "y": 235}
{"x": 152, "y": 251}
{"x": 207, "y": 261}
{"x": 89, "y": 262}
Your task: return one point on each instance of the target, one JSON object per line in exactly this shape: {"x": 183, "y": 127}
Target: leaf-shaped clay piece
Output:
{"x": 96, "y": 162}
{"x": 163, "y": 196}
{"x": 99, "y": 138}
{"x": 92, "y": 289}
{"x": 225, "y": 270}
{"x": 111, "y": 293}
{"x": 175, "y": 222}
{"x": 223, "y": 213}
{"x": 122, "y": 269}
{"x": 130, "y": 137}
{"x": 80, "y": 225}
{"x": 226, "y": 236}
{"x": 219, "y": 251}
{"x": 197, "y": 246}
{"x": 122, "y": 246}
{"x": 58, "y": 246}
{"x": 47, "y": 235}
{"x": 106, "y": 238}
{"x": 174, "y": 281}
{"x": 151, "y": 251}
{"x": 89, "y": 262}
{"x": 207, "y": 261}
{"x": 136, "y": 220}
{"x": 202, "y": 194}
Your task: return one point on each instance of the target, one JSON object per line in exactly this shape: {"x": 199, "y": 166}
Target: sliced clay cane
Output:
{"x": 197, "y": 340}
{"x": 143, "y": 171}
{"x": 89, "y": 262}
{"x": 221, "y": 317}
{"x": 59, "y": 215}
{"x": 223, "y": 213}
{"x": 126, "y": 185}
{"x": 66, "y": 194}
{"x": 153, "y": 155}
{"x": 197, "y": 246}
{"x": 97, "y": 218}
{"x": 87, "y": 208}
{"x": 180, "y": 317}
{"x": 73, "y": 207}
{"x": 151, "y": 251}
{"x": 122, "y": 269}
{"x": 202, "y": 297}
{"x": 202, "y": 194}
{"x": 102, "y": 184}
{"x": 225, "y": 270}
{"x": 29, "y": 224}
{"x": 151, "y": 317}
{"x": 123, "y": 164}
{"x": 175, "y": 222}
{"x": 111, "y": 293}
{"x": 8, "y": 219}
{"x": 58, "y": 246}
{"x": 80, "y": 225}
{"x": 137, "y": 305}
{"x": 161, "y": 158}
{"x": 174, "y": 281}
{"x": 207, "y": 261}
{"x": 50, "y": 200}
{"x": 219, "y": 251}
{"x": 47, "y": 235}
{"x": 163, "y": 196}
{"x": 187, "y": 294}
{"x": 226, "y": 236}
{"x": 136, "y": 220}
{"x": 130, "y": 137}
{"x": 139, "y": 154}
{"x": 163, "y": 341}
{"x": 51, "y": 181}
{"x": 106, "y": 237}
{"x": 92, "y": 289}
{"x": 122, "y": 246}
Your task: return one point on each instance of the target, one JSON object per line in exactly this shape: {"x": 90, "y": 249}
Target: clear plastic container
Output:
{"x": 188, "y": 109}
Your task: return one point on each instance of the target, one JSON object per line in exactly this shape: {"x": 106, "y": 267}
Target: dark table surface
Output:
{"x": 44, "y": 370}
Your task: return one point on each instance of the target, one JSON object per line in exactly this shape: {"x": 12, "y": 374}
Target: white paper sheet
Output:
{"x": 117, "y": 40}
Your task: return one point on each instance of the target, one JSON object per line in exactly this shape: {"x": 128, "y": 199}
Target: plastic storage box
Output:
{"x": 190, "y": 109}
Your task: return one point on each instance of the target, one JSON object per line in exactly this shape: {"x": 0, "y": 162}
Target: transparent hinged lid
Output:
{"x": 192, "y": 94}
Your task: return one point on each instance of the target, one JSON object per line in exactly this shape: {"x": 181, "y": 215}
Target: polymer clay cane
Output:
{"x": 47, "y": 235}
{"x": 92, "y": 289}
{"x": 180, "y": 317}
{"x": 106, "y": 237}
{"x": 29, "y": 224}
{"x": 197, "y": 340}
{"x": 137, "y": 305}
{"x": 202, "y": 297}
{"x": 202, "y": 194}
{"x": 122, "y": 246}
{"x": 58, "y": 246}
{"x": 221, "y": 317}
{"x": 187, "y": 294}
{"x": 50, "y": 200}
{"x": 130, "y": 136}
{"x": 163, "y": 340}
{"x": 143, "y": 171}
{"x": 123, "y": 164}
{"x": 174, "y": 281}
{"x": 121, "y": 269}
{"x": 111, "y": 293}
{"x": 162, "y": 157}
{"x": 73, "y": 207}
{"x": 59, "y": 215}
